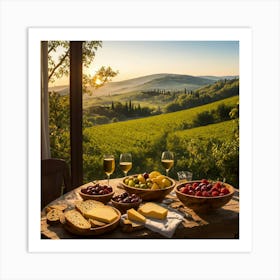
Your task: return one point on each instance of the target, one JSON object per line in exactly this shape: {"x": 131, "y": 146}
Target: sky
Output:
{"x": 139, "y": 58}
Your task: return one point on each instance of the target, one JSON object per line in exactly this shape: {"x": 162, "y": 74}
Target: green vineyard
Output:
{"x": 210, "y": 151}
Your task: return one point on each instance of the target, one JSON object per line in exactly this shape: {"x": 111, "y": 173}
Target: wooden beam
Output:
{"x": 76, "y": 113}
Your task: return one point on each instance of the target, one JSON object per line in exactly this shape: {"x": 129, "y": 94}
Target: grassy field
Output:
{"x": 136, "y": 98}
{"x": 220, "y": 131}
{"x": 146, "y": 138}
{"x": 167, "y": 122}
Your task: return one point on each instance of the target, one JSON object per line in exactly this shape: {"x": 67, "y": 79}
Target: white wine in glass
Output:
{"x": 108, "y": 165}
{"x": 125, "y": 162}
{"x": 167, "y": 160}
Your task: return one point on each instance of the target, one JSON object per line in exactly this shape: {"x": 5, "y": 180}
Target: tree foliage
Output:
{"x": 59, "y": 110}
{"x": 59, "y": 57}
{"x": 59, "y": 63}
{"x": 217, "y": 91}
{"x": 102, "y": 76}
{"x": 59, "y": 121}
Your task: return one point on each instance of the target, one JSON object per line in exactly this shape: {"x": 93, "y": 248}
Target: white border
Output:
{"x": 244, "y": 243}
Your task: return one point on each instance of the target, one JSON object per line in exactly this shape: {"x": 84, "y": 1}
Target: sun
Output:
{"x": 97, "y": 81}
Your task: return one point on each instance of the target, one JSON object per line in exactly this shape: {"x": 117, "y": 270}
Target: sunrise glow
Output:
{"x": 140, "y": 58}
{"x": 97, "y": 81}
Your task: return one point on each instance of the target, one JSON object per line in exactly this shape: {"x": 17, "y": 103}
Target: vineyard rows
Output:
{"x": 147, "y": 137}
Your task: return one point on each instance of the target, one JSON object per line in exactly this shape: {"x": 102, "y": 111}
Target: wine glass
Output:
{"x": 125, "y": 162}
{"x": 108, "y": 165}
{"x": 167, "y": 160}
{"x": 184, "y": 176}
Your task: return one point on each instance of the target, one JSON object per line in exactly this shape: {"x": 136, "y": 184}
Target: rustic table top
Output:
{"x": 218, "y": 224}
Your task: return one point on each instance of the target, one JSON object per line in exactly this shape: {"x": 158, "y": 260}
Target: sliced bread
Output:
{"x": 87, "y": 205}
{"x": 61, "y": 207}
{"x": 95, "y": 223}
{"x": 54, "y": 216}
{"x": 76, "y": 220}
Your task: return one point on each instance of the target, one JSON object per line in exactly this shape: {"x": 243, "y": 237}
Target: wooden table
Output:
{"x": 219, "y": 224}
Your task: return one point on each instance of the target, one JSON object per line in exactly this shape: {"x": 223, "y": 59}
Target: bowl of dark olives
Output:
{"x": 102, "y": 193}
{"x": 125, "y": 201}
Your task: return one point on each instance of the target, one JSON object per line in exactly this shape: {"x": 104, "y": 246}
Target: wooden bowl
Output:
{"x": 123, "y": 207}
{"x": 150, "y": 195}
{"x": 105, "y": 198}
{"x": 96, "y": 230}
{"x": 204, "y": 204}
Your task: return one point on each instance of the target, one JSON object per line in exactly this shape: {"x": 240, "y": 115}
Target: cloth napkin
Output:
{"x": 164, "y": 227}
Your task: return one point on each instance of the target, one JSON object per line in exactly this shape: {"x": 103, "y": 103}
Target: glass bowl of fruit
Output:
{"x": 125, "y": 201}
{"x": 151, "y": 186}
{"x": 204, "y": 195}
{"x": 102, "y": 193}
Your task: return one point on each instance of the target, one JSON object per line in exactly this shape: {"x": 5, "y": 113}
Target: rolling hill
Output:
{"x": 217, "y": 78}
{"x": 156, "y": 81}
{"x": 150, "y": 82}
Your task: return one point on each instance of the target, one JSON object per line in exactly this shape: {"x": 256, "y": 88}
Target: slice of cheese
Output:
{"x": 152, "y": 210}
{"x": 133, "y": 215}
{"x": 104, "y": 214}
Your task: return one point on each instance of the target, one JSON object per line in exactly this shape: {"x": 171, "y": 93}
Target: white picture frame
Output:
{"x": 243, "y": 35}
{"x": 261, "y": 261}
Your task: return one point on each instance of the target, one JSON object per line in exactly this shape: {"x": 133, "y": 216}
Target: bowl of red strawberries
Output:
{"x": 204, "y": 195}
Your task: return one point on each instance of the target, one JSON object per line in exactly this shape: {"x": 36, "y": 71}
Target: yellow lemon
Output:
{"x": 155, "y": 186}
{"x": 154, "y": 174}
{"x": 166, "y": 183}
{"x": 160, "y": 177}
{"x": 159, "y": 180}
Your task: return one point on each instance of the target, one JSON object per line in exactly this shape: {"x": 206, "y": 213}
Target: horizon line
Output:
{"x": 138, "y": 77}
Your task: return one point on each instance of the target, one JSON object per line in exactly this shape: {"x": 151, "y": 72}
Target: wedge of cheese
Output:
{"x": 133, "y": 215}
{"x": 152, "y": 210}
{"x": 101, "y": 213}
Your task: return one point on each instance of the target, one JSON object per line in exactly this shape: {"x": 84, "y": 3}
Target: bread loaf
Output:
{"x": 76, "y": 220}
